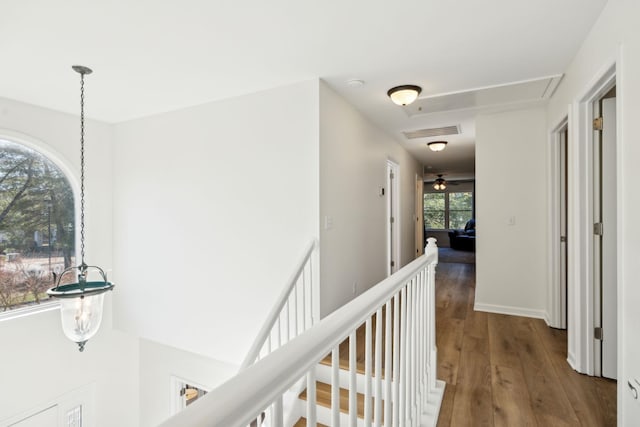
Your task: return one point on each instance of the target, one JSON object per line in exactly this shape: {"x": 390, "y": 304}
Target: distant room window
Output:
{"x": 450, "y": 209}
{"x": 37, "y": 225}
{"x": 434, "y": 210}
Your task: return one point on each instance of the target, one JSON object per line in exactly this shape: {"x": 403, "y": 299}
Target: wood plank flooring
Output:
{"x": 507, "y": 370}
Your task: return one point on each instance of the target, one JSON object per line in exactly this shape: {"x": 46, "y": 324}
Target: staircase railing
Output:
{"x": 293, "y": 313}
{"x": 400, "y": 386}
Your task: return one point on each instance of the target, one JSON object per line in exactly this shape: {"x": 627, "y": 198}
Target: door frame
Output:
{"x": 557, "y": 296}
{"x": 605, "y": 264}
{"x": 580, "y": 275}
{"x": 419, "y": 214}
{"x": 393, "y": 208}
{"x": 177, "y": 402}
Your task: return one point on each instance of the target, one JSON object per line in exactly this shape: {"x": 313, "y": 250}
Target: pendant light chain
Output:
{"x": 82, "y": 167}
{"x": 81, "y": 301}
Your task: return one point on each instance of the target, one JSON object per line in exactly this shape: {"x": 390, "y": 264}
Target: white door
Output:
{"x": 564, "y": 137}
{"x": 604, "y": 243}
{"x": 609, "y": 231}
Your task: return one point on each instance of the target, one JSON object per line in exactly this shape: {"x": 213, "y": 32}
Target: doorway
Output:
{"x": 605, "y": 235}
{"x": 592, "y": 230}
{"x": 184, "y": 393}
{"x": 393, "y": 219}
{"x": 419, "y": 217}
{"x": 559, "y": 223}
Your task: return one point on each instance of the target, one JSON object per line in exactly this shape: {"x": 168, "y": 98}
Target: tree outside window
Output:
{"x": 444, "y": 210}
{"x": 434, "y": 210}
{"x": 37, "y": 232}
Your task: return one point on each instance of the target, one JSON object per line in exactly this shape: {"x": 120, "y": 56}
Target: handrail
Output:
{"x": 237, "y": 402}
{"x": 267, "y": 326}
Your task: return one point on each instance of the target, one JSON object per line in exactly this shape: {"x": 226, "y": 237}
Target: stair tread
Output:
{"x": 360, "y": 349}
{"x": 302, "y": 422}
{"x": 323, "y": 398}
{"x": 344, "y": 365}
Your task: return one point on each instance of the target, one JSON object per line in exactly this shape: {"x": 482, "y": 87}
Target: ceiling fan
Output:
{"x": 440, "y": 184}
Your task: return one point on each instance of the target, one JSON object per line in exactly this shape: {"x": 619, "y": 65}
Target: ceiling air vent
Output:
{"x": 426, "y": 133}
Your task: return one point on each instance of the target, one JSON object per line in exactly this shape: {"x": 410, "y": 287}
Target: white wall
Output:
{"x": 38, "y": 360}
{"x": 213, "y": 206}
{"x": 158, "y": 364}
{"x": 616, "y": 35}
{"x": 511, "y": 260}
{"x": 353, "y": 162}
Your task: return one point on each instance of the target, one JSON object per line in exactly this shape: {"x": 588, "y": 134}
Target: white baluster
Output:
{"x": 433, "y": 359}
{"x": 335, "y": 386}
{"x": 311, "y": 292}
{"x": 278, "y": 414}
{"x": 288, "y": 326}
{"x": 422, "y": 342}
{"x": 378, "y": 361}
{"x": 367, "y": 373}
{"x": 425, "y": 337}
{"x": 304, "y": 303}
{"x": 403, "y": 357}
{"x": 353, "y": 378}
{"x": 396, "y": 360}
{"x": 311, "y": 398}
{"x": 388, "y": 356}
{"x": 409, "y": 352}
{"x": 414, "y": 348}
{"x": 295, "y": 310}
{"x": 279, "y": 326}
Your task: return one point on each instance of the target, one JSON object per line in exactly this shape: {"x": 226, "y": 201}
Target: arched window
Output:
{"x": 37, "y": 225}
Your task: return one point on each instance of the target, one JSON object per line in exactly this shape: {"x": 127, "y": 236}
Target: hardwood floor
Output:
{"x": 507, "y": 370}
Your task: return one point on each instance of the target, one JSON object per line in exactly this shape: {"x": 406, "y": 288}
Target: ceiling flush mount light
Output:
{"x": 404, "y": 95}
{"x": 437, "y": 145}
{"x": 440, "y": 184}
{"x": 81, "y": 302}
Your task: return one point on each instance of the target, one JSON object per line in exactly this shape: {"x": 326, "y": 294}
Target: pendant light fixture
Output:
{"x": 81, "y": 302}
{"x": 440, "y": 184}
{"x": 405, "y": 94}
{"x": 437, "y": 145}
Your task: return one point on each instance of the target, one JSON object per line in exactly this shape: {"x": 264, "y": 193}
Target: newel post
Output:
{"x": 431, "y": 248}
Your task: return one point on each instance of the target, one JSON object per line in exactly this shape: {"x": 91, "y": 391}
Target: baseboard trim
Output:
{"x": 510, "y": 310}
{"x": 571, "y": 360}
{"x": 547, "y": 319}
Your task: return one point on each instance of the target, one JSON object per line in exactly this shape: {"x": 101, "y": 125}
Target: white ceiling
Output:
{"x": 151, "y": 56}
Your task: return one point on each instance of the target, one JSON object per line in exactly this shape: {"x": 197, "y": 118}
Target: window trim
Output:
{"x": 70, "y": 173}
{"x": 16, "y": 313}
{"x": 447, "y": 192}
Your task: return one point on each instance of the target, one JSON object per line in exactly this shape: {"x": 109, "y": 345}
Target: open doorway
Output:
{"x": 559, "y": 218}
{"x": 605, "y": 235}
{"x": 184, "y": 393}
{"x": 420, "y": 238}
{"x": 593, "y": 234}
